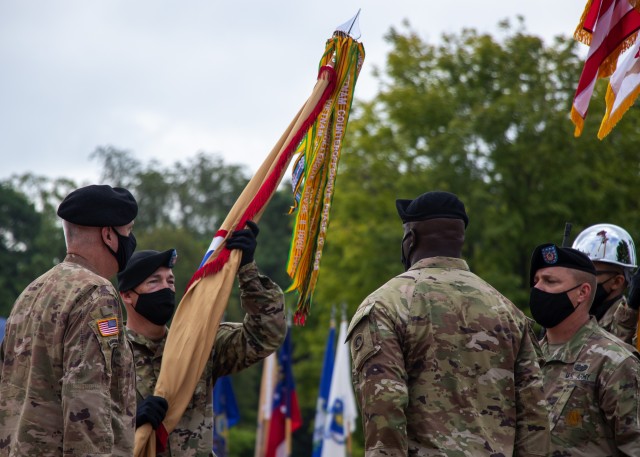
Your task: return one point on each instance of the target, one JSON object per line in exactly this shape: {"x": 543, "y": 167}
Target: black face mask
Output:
{"x": 405, "y": 259}
{"x": 549, "y": 309}
{"x": 126, "y": 246}
{"x": 157, "y": 306}
{"x": 601, "y": 295}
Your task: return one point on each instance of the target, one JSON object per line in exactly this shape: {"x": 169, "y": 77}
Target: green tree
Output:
{"x": 194, "y": 195}
{"x": 488, "y": 120}
{"x": 30, "y": 244}
{"x": 485, "y": 117}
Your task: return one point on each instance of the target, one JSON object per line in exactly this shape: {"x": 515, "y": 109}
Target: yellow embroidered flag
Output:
{"x": 195, "y": 323}
{"x": 315, "y": 170}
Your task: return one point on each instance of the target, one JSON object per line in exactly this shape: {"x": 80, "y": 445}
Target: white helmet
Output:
{"x": 607, "y": 243}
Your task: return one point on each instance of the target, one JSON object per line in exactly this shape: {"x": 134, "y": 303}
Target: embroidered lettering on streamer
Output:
{"x": 108, "y": 327}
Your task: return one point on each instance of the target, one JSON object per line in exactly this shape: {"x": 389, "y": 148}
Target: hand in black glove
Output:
{"x": 246, "y": 241}
{"x": 152, "y": 411}
{"x": 634, "y": 291}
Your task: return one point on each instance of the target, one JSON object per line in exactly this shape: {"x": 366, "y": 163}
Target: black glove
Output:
{"x": 151, "y": 411}
{"x": 634, "y": 291}
{"x": 246, "y": 241}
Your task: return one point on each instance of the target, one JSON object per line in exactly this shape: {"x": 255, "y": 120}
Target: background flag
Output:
{"x": 608, "y": 26}
{"x": 325, "y": 386}
{"x": 265, "y": 404}
{"x": 225, "y": 415}
{"x": 285, "y": 416}
{"x": 342, "y": 410}
{"x": 623, "y": 89}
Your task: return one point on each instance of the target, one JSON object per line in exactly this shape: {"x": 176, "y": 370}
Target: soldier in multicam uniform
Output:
{"x": 443, "y": 364}
{"x": 592, "y": 378}
{"x": 613, "y": 253}
{"x": 148, "y": 291}
{"x": 67, "y": 375}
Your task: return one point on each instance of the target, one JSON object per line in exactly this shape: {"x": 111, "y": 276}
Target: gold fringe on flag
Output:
{"x": 584, "y": 33}
{"x": 611, "y": 118}
{"x": 635, "y": 4}
{"x": 622, "y": 91}
{"x": 316, "y": 168}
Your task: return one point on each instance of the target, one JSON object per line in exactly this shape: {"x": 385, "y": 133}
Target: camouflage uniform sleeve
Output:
{"x": 532, "y": 428}
{"x": 625, "y": 322}
{"x": 263, "y": 330}
{"x": 620, "y": 404}
{"x": 379, "y": 380}
{"x": 90, "y": 362}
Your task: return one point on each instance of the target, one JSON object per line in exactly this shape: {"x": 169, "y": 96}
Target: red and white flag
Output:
{"x": 623, "y": 89}
{"x": 609, "y": 27}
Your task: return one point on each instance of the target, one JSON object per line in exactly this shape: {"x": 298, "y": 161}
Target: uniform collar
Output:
{"x": 570, "y": 351}
{"x": 441, "y": 262}
{"x": 152, "y": 345}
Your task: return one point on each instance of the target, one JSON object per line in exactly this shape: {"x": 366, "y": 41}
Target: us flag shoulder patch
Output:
{"x": 108, "y": 327}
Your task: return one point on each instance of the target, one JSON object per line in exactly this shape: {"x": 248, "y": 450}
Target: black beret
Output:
{"x": 142, "y": 265}
{"x": 550, "y": 255}
{"x": 432, "y": 205}
{"x": 99, "y": 206}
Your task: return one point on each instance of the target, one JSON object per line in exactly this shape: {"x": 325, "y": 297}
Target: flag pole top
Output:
{"x": 351, "y": 27}
{"x": 344, "y": 311}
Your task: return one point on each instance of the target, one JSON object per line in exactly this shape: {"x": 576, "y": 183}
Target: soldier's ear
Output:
{"x": 109, "y": 238}
{"x": 619, "y": 282}
{"x": 584, "y": 293}
{"x": 128, "y": 297}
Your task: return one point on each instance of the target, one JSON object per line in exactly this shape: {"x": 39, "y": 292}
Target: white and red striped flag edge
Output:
{"x": 612, "y": 31}
{"x": 622, "y": 91}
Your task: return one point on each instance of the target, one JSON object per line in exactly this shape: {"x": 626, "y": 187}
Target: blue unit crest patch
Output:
{"x": 550, "y": 255}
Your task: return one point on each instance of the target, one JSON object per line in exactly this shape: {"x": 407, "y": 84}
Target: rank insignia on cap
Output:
{"x": 108, "y": 327}
{"x": 550, "y": 255}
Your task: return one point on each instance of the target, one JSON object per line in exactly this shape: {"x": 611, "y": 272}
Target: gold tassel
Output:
{"x": 581, "y": 34}
{"x": 610, "y": 119}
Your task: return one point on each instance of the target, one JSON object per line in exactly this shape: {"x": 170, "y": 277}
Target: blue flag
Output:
{"x": 3, "y": 322}
{"x": 323, "y": 393}
{"x": 225, "y": 414}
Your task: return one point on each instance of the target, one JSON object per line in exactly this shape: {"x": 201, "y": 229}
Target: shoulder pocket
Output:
{"x": 362, "y": 337}
{"x": 106, "y": 330}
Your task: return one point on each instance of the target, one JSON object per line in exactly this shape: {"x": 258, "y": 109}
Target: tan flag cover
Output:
{"x": 200, "y": 311}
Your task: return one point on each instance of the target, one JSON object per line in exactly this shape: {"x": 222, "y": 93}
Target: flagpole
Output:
{"x": 287, "y": 422}
{"x": 288, "y": 435}
{"x": 267, "y": 384}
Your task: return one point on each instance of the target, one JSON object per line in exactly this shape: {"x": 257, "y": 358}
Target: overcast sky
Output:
{"x": 165, "y": 79}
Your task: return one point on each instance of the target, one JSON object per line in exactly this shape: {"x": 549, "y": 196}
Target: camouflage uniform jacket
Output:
{"x": 592, "y": 383}
{"x": 67, "y": 378}
{"x": 444, "y": 365}
{"x": 237, "y": 346}
{"x": 621, "y": 321}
